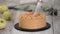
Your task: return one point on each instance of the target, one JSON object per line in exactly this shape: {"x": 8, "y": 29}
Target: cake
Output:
{"x": 29, "y": 21}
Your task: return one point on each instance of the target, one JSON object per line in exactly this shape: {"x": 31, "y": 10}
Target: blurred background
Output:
{"x": 31, "y": 4}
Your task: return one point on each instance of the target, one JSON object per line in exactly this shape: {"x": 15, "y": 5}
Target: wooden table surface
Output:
{"x": 11, "y": 30}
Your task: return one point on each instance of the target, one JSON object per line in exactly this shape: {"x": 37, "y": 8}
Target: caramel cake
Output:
{"x": 29, "y": 21}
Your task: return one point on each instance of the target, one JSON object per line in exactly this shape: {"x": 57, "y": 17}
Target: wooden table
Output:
{"x": 11, "y": 30}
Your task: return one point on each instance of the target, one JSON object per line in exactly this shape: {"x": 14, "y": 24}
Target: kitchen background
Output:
{"x": 22, "y": 4}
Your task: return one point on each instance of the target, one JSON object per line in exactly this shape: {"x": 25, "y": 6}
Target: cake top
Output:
{"x": 30, "y": 16}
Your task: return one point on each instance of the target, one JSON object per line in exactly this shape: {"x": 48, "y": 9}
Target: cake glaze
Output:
{"x": 29, "y": 21}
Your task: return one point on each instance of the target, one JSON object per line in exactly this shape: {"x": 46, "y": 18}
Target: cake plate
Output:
{"x": 32, "y": 30}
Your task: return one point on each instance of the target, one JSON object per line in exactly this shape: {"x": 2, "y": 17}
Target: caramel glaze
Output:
{"x": 29, "y": 21}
